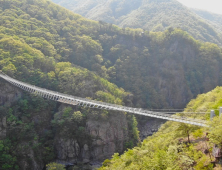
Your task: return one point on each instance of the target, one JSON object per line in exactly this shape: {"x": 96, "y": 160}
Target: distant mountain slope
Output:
{"x": 106, "y": 10}
{"x": 214, "y": 19}
{"x": 152, "y": 15}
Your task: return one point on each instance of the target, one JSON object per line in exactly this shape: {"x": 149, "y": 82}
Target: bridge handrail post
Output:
{"x": 212, "y": 114}
{"x": 220, "y": 110}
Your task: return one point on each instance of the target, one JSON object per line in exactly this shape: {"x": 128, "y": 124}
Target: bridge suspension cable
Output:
{"x": 73, "y": 100}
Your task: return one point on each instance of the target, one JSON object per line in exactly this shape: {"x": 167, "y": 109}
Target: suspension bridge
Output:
{"x": 73, "y": 100}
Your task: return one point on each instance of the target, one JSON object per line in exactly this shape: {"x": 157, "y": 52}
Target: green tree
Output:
{"x": 8, "y": 159}
{"x": 215, "y": 131}
{"x": 184, "y": 129}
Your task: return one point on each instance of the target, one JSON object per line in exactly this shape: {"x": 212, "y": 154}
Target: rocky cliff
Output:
{"x": 99, "y": 139}
{"x": 108, "y": 137}
{"x": 8, "y": 95}
{"x": 2, "y": 127}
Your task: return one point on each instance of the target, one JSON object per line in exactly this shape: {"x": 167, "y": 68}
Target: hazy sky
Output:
{"x": 214, "y": 6}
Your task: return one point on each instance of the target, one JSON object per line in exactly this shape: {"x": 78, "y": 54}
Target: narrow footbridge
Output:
{"x": 73, "y": 100}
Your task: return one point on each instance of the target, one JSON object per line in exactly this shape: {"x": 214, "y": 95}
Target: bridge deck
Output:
{"x": 73, "y": 100}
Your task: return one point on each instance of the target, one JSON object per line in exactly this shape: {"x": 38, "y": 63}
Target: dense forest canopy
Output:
{"x": 150, "y": 15}
{"x": 212, "y": 18}
{"x": 46, "y": 45}
{"x": 161, "y": 69}
{"x": 28, "y": 52}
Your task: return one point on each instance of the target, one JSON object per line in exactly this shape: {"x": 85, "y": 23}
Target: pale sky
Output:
{"x": 214, "y": 6}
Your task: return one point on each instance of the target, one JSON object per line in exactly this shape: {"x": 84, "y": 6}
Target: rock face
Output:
{"x": 149, "y": 127}
{"x": 112, "y": 135}
{"x": 8, "y": 95}
{"x": 31, "y": 163}
{"x": 2, "y": 128}
{"x": 109, "y": 137}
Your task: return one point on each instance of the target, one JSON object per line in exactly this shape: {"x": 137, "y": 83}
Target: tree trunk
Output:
{"x": 188, "y": 135}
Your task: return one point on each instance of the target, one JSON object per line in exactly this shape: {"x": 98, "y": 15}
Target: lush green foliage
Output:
{"x": 160, "y": 69}
{"x": 42, "y": 44}
{"x": 29, "y": 119}
{"x": 169, "y": 66}
{"x": 206, "y": 102}
{"x": 55, "y": 166}
{"x": 71, "y": 124}
{"x": 169, "y": 148}
{"x": 28, "y": 53}
{"x": 213, "y": 19}
{"x": 153, "y": 15}
{"x": 161, "y": 151}
{"x": 7, "y": 155}
{"x": 215, "y": 134}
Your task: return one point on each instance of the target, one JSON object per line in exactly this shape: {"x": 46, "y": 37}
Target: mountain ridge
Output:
{"x": 149, "y": 15}
{"x": 40, "y": 42}
{"x": 213, "y": 18}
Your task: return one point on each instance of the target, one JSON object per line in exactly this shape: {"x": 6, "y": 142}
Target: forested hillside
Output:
{"x": 46, "y": 45}
{"x": 35, "y": 131}
{"x": 213, "y": 19}
{"x": 177, "y": 146}
{"x": 152, "y": 15}
{"x": 160, "y": 69}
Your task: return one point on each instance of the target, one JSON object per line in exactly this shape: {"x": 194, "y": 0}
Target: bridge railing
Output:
{"x": 97, "y": 104}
